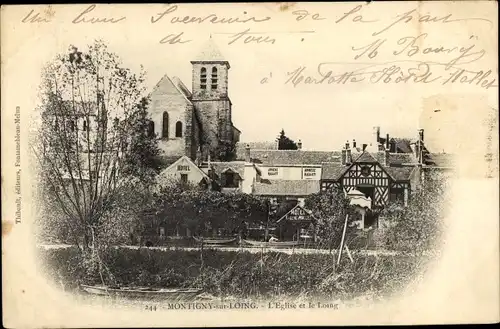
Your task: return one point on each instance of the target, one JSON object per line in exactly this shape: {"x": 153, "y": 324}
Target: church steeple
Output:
{"x": 210, "y": 73}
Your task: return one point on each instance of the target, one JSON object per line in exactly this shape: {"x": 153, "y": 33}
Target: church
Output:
{"x": 198, "y": 122}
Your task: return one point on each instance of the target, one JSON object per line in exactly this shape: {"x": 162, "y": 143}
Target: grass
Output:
{"x": 240, "y": 274}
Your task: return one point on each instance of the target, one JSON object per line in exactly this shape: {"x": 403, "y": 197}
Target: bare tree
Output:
{"x": 89, "y": 109}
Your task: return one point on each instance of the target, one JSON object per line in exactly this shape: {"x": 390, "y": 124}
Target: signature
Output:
{"x": 409, "y": 47}
{"x": 401, "y": 71}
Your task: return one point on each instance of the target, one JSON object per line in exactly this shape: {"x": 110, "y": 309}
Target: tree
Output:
{"x": 92, "y": 124}
{"x": 202, "y": 211}
{"x": 285, "y": 143}
{"x": 142, "y": 161}
{"x": 418, "y": 227}
{"x": 330, "y": 208}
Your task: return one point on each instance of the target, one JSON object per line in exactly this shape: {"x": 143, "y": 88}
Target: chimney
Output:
{"x": 299, "y": 145}
{"x": 344, "y": 154}
{"x": 386, "y": 157}
{"x": 387, "y": 143}
{"x": 419, "y": 146}
{"x": 365, "y": 146}
{"x": 348, "y": 156}
{"x": 421, "y": 135}
{"x": 353, "y": 143}
{"x": 376, "y": 134}
{"x": 247, "y": 153}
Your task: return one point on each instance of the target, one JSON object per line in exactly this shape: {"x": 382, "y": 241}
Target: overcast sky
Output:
{"x": 322, "y": 116}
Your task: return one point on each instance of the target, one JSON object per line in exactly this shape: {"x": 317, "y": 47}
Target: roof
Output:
{"x": 332, "y": 171}
{"x": 400, "y": 173}
{"x": 220, "y": 167}
{"x": 366, "y": 157}
{"x": 58, "y": 107}
{"x": 291, "y": 157}
{"x": 181, "y": 87}
{"x": 403, "y": 145}
{"x": 402, "y": 158}
{"x": 210, "y": 52}
{"x": 286, "y": 187}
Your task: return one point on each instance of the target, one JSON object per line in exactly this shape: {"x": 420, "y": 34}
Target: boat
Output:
{"x": 282, "y": 244}
{"x": 211, "y": 241}
{"x": 143, "y": 292}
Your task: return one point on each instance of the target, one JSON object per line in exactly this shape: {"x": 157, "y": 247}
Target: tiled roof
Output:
{"x": 210, "y": 52}
{"x": 400, "y": 173}
{"x": 181, "y": 86}
{"x": 402, "y": 158}
{"x": 293, "y": 157}
{"x": 332, "y": 171}
{"x": 403, "y": 145}
{"x": 365, "y": 157}
{"x": 287, "y": 187}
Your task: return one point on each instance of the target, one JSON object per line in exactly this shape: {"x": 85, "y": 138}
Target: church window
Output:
{"x": 151, "y": 129}
{"x": 84, "y": 125}
{"x": 178, "y": 129}
{"x": 203, "y": 78}
{"x": 164, "y": 133}
{"x": 214, "y": 78}
{"x": 72, "y": 125}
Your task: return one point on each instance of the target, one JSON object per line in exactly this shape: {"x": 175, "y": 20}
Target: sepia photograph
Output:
{"x": 257, "y": 164}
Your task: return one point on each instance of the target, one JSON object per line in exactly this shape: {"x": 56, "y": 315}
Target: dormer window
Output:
{"x": 214, "y": 78}
{"x": 203, "y": 78}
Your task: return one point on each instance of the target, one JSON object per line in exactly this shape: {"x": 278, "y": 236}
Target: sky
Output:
{"x": 322, "y": 116}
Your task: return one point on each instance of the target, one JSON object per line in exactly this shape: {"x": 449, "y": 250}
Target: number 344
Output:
{"x": 150, "y": 307}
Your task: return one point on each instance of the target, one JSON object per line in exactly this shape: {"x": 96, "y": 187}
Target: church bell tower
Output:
{"x": 210, "y": 97}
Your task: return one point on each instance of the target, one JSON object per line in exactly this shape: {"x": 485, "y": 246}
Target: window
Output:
{"x": 164, "y": 132}
{"x": 151, "y": 129}
{"x": 178, "y": 129}
{"x": 397, "y": 195}
{"x": 230, "y": 179}
{"x": 184, "y": 178}
{"x": 203, "y": 78}
{"x": 84, "y": 125}
{"x": 72, "y": 125}
{"x": 214, "y": 78}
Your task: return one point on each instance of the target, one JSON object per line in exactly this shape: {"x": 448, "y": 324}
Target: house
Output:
{"x": 185, "y": 171}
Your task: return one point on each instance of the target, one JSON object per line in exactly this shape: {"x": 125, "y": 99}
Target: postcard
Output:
{"x": 173, "y": 165}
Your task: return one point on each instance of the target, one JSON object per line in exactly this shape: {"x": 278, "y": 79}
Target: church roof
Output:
{"x": 210, "y": 53}
{"x": 181, "y": 86}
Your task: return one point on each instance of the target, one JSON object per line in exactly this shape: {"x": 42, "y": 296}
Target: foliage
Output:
{"x": 201, "y": 210}
{"x": 330, "y": 208}
{"x": 418, "y": 227}
{"x": 92, "y": 123}
{"x": 142, "y": 160}
{"x": 285, "y": 143}
{"x": 226, "y": 151}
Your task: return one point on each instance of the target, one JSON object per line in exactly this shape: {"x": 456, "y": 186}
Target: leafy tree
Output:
{"x": 142, "y": 160}
{"x": 330, "y": 208}
{"x": 285, "y": 143}
{"x": 418, "y": 227}
{"x": 92, "y": 117}
{"x": 203, "y": 211}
